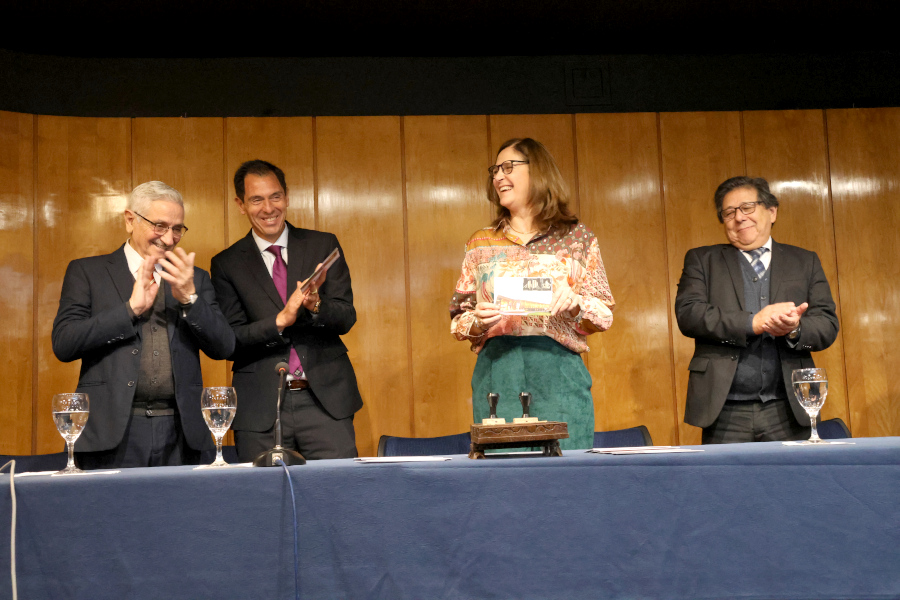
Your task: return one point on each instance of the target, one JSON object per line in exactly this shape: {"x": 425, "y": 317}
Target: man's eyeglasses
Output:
{"x": 747, "y": 208}
{"x": 160, "y": 229}
{"x": 506, "y": 166}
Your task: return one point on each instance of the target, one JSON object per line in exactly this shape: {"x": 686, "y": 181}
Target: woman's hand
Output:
{"x": 487, "y": 314}
{"x": 565, "y": 301}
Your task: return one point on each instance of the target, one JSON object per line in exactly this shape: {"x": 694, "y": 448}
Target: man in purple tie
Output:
{"x": 756, "y": 309}
{"x": 258, "y": 285}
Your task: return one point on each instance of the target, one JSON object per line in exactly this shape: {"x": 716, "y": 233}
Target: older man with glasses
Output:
{"x": 137, "y": 319}
{"x": 756, "y": 309}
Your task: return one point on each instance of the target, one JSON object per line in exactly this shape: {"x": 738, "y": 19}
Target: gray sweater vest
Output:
{"x": 758, "y": 375}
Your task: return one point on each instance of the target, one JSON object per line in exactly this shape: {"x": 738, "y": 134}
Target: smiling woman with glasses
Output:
{"x": 536, "y": 237}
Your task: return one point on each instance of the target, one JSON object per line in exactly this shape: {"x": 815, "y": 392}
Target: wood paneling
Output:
{"x": 788, "y": 149}
{"x": 631, "y": 364}
{"x": 360, "y": 200}
{"x": 699, "y": 151}
{"x": 188, "y": 154}
{"x": 17, "y": 274}
{"x": 446, "y": 160}
{"x": 865, "y": 176}
{"x": 286, "y": 143}
{"x": 402, "y": 195}
{"x": 83, "y": 181}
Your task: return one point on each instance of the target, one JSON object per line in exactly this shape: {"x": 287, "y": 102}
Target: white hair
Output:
{"x": 143, "y": 195}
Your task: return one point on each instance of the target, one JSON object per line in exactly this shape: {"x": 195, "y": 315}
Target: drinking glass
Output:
{"x": 70, "y": 413}
{"x": 811, "y": 388}
{"x": 218, "y": 405}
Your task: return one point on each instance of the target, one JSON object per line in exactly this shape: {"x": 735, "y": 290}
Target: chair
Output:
{"x": 390, "y": 445}
{"x": 620, "y": 438}
{"x": 40, "y": 462}
{"x": 833, "y": 429}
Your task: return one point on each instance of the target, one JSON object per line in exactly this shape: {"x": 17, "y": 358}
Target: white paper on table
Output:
{"x": 644, "y": 450}
{"x": 822, "y": 443}
{"x": 58, "y": 474}
{"x": 396, "y": 459}
{"x": 523, "y": 295}
{"x": 228, "y": 466}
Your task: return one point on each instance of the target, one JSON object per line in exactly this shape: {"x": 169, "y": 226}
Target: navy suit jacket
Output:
{"x": 93, "y": 324}
{"x": 709, "y": 307}
{"x": 250, "y": 302}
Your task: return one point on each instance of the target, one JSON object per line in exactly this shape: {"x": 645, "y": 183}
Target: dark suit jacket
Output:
{"x": 250, "y": 302}
{"x": 93, "y": 325}
{"x": 709, "y": 307}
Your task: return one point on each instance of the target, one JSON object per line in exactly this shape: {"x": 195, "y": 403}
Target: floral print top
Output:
{"x": 573, "y": 258}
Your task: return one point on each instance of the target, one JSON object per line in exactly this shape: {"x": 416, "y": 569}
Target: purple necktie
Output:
{"x": 279, "y": 276}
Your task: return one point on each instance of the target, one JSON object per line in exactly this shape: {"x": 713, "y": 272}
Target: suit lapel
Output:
{"x": 776, "y": 274}
{"x": 300, "y": 259}
{"x": 732, "y": 258}
{"x": 172, "y": 309}
{"x": 252, "y": 262}
{"x": 119, "y": 273}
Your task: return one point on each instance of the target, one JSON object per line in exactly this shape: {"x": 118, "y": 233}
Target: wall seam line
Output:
{"x": 670, "y": 307}
{"x": 409, "y": 337}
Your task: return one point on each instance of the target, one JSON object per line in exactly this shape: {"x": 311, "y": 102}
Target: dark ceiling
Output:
{"x": 336, "y": 28}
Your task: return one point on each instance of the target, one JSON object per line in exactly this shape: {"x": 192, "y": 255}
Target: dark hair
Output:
{"x": 754, "y": 183}
{"x": 260, "y": 168}
{"x": 549, "y": 192}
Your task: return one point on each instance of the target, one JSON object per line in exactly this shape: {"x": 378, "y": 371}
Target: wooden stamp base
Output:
{"x": 545, "y": 434}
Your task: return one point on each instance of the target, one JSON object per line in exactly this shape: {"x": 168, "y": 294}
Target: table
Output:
{"x": 749, "y": 520}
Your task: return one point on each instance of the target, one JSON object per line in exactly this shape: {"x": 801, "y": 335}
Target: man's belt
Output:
{"x": 153, "y": 412}
{"x": 297, "y": 384}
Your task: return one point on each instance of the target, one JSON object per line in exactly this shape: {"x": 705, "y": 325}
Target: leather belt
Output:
{"x": 297, "y": 384}
{"x": 153, "y": 412}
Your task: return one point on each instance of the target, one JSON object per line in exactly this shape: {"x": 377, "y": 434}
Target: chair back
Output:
{"x": 40, "y": 462}
{"x": 620, "y": 438}
{"x": 833, "y": 429}
{"x": 402, "y": 446}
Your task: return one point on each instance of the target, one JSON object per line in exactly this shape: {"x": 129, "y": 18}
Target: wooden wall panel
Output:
{"x": 699, "y": 151}
{"x": 286, "y": 143}
{"x": 865, "y": 183}
{"x": 360, "y": 200}
{"x": 188, "y": 154}
{"x": 788, "y": 149}
{"x": 553, "y": 131}
{"x": 446, "y": 170}
{"x": 83, "y": 181}
{"x": 17, "y": 274}
{"x": 631, "y": 364}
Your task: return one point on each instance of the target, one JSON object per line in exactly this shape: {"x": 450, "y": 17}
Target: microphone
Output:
{"x": 278, "y": 455}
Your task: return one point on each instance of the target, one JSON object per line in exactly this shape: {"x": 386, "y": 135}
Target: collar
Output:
{"x": 135, "y": 260}
{"x": 767, "y": 245}
{"x": 263, "y": 244}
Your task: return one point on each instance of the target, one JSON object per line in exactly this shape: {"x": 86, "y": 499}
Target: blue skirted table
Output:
{"x": 740, "y": 521}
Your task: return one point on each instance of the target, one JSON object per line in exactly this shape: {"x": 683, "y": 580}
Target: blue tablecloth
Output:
{"x": 739, "y": 521}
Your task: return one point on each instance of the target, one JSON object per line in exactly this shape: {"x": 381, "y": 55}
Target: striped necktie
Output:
{"x": 756, "y": 262}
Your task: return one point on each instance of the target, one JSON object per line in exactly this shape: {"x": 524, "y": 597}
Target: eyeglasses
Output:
{"x": 506, "y": 166}
{"x": 747, "y": 208}
{"x": 160, "y": 229}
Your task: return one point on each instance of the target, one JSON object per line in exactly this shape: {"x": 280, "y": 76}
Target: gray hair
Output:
{"x": 143, "y": 195}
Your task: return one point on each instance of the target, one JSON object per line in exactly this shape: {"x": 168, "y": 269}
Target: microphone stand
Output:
{"x": 279, "y": 454}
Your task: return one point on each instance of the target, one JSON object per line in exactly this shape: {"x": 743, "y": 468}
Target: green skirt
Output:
{"x": 556, "y": 377}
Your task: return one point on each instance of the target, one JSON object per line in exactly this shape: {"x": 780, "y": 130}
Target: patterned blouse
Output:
{"x": 574, "y": 256}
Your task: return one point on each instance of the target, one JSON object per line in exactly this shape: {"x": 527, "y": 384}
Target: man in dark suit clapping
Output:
{"x": 258, "y": 283}
{"x": 756, "y": 309}
{"x": 137, "y": 319}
